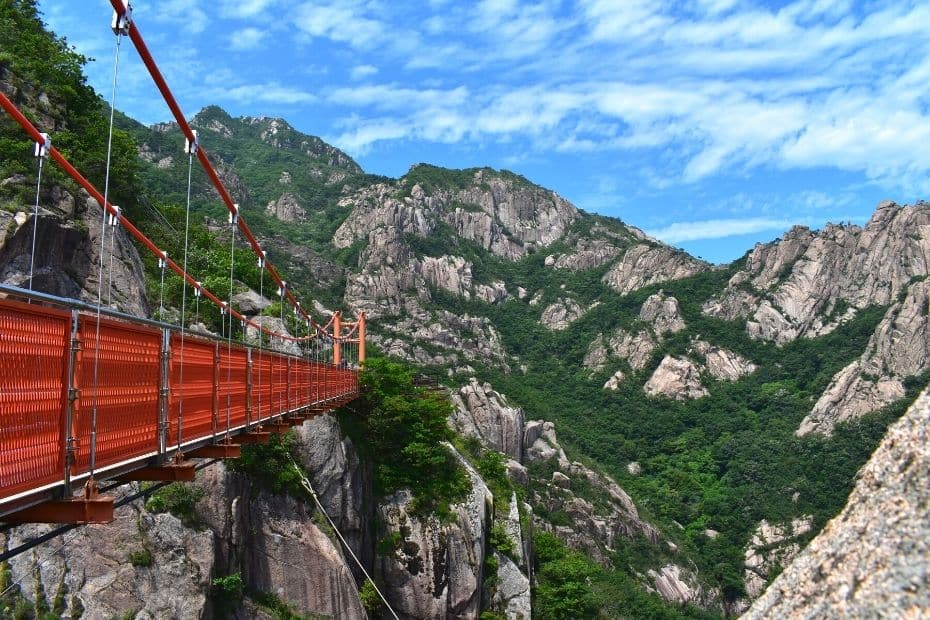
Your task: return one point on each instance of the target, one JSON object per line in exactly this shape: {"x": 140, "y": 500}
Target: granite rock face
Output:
{"x": 722, "y": 364}
{"x": 481, "y": 412}
{"x": 588, "y": 254}
{"x": 437, "y": 569}
{"x": 676, "y": 377}
{"x": 872, "y": 559}
{"x": 772, "y": 547}
{"x": 90, "y": 567}
{"x": 559, "y": 315}
{"x": 644, "y": 264}
{"x": 287, "y": 208}
{"x": 899, "y": 348}
{"x": 68, "y": 249}
{"x": 808, "y": 283}
{"x": 663, "y": 313}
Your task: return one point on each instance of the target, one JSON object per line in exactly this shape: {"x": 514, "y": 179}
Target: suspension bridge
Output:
{"x": 90, "y": 394}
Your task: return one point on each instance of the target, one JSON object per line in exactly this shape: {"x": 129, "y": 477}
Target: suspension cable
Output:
{"x": 190, "y": 148}
{"x": 41, "y": 154}
{"x": 233, "y": 223}
{"x": 103, "y": 230}
{"x": 316, "y": 500}
{"x": 113, "y": 220}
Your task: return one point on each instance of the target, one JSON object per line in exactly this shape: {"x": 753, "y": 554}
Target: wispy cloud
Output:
{"x": 246, "y": 39}
{"x": 679, "y": 232}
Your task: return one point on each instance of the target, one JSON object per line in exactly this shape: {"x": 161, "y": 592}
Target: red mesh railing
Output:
{"x": 34, "y": 352}
{"x": 124, "y": 386}
{"x": 191, "y": 404}
{"x": 233, "y": 370}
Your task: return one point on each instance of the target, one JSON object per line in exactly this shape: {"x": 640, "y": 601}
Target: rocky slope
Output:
{"x": 871, "y": 560}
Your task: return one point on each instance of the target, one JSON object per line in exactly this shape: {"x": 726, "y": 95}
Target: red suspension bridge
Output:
{"x": 88, "y": 393}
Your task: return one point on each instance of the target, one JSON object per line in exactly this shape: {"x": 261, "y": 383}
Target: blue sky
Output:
{"x": 711, "y": 124}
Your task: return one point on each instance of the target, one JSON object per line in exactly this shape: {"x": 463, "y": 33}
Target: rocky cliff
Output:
{"x": 871, "y": 560}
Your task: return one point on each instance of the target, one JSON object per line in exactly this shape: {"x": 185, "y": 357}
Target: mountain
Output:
{"x": 642, "y": 433}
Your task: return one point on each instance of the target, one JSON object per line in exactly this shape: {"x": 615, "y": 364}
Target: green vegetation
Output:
{"x": 270, "y": 465}
{"x": 369, "y": 597}
{"x": 401, "y": 429}
{"x": 178, "y": 499}
{"x": 141, "y": 559}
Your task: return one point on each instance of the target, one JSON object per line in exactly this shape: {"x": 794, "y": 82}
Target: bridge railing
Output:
{"x": 82, "y": 396}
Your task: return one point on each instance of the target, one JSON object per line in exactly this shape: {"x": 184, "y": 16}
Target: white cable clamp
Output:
{"x": 44, "y": 147}
{"x": 120, "y": 23}
{"x": 234, "y": 215}
{"x": 297, "y": 308}
{"x": 198, "y": 289}
{"x": 261, "y": 259}
{"x": 223, "y": 308}
{"x": 113, "y": 218}
{"x": 191, "y": 148}
{"x": 282, "y": 289}
{"x": 163, "y": 260}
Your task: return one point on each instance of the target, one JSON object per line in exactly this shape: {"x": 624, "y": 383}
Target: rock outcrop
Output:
{"x": 67, "y": 259}
{"x": 808, "y": 283}
{"x": 771, "y": 548}
{"x": 91, "y": 572}
{"x": 723, "y": 364}
{"x": 481, "y": 412}
{"x": 644, "y": 264}
{"x": 676, "y": 377}
{"x": 588, "y": 254}
{"x": 663, "y": 313}
{"x": 287, "y": 208}
{"x": 870, "y": 560}
{"x": 436, "y": 570}
{"x": 899, "y": 348}
{"x": 560, "y": 314}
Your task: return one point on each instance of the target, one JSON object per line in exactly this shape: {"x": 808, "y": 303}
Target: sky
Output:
{"x": 710, "y": 124}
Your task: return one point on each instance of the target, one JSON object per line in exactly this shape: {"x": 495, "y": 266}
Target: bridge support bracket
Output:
{"x": 217, "y": 451}
{"x": 254, "y": 437}
{"x": 176, "y": 472}
{"x": 90, "y": 507}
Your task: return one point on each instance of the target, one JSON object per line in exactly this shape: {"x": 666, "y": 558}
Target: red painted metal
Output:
{"x": 34, "y": 351}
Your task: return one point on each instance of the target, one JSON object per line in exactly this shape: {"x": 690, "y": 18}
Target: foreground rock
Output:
{"x": 873, "y": 559}
{"x": 436, "y": 568}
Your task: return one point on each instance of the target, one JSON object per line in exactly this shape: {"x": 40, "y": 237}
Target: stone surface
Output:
{"x": 250, "y": 302}
{"x": 91, "y": 567}
{"x": 676, "y": 377}
{"x": 636, "y": 348}
{"x": 808, "y": 282}
{"x": 614, "y": 382}
{"x": 68, "y": 255}
{"x": 449, "y": 273}
{"x": 772, "y": 547}
{"x": 287, "y": 208}
{"x": 663, "y": 313}
{"x": 560, "y": 314}
{"x": 721, "y": 363}
{"x": 873, "y": 559}
{"x": 645, "y": 264}
{"x": 899, "y": 348}
{"x": 588, "y": 254}
{"x": 481, "y": 412}
{"x": 437, "y": 571}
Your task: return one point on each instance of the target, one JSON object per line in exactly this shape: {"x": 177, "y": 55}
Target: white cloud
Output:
{"x": 679, "y": 232}
{"x": 360, "y": 72}
{"x": 189, "y": 17}
{"x": 344, "y": 22}
{"x": 270, "y": 92}
{"x": 244, "y": 9}
{"x": 246, "y": 39}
